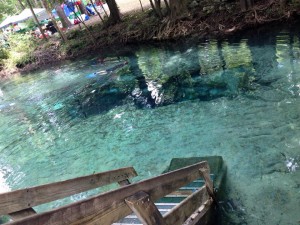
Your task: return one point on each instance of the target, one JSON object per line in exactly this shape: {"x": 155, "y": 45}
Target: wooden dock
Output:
{"x": 182, "y": 196}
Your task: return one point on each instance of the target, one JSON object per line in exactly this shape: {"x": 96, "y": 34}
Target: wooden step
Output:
{"x": 132, "y": 218}
{"x": 168, "y": 202}
{"x": 108, "y": 207}
{"x": 196, "y": 183}
{"x": 172, "y": 199}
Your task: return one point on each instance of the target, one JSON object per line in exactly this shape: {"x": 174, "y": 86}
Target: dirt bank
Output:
{"x": 221, "y": 21}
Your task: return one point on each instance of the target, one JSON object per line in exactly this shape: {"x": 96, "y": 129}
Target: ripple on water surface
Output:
{"x": 238, "y": 100}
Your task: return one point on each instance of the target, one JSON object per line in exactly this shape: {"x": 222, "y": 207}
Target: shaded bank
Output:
{"x": 206, "y": 20}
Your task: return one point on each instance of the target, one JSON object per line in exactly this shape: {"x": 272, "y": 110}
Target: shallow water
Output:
{"x": 237, "y": 98}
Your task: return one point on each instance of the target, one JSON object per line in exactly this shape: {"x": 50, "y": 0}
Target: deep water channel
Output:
{"x": 236, "y": 98}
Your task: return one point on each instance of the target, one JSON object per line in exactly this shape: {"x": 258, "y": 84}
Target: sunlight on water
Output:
{"x": 3, "y": 186}
{"x": 236, "y": 99}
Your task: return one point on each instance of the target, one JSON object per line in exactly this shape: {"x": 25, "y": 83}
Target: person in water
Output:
{"x": 111, "y": 69}
{"x": 102, "y": 60}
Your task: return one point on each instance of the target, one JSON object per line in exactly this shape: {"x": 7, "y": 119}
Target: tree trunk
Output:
{"x": 104, "y": 9}
{"x": 153, "y": 7}
{"x": 141, "y": 5}
{"x": 97, "y": 11}
{"x": 36, "y": 4}
{"x": 82, "y": 8}
{"x": 156, "y": 7}
{"x": 62, "y": 35}
{"x": 177, "y": 8}
{"x": 21, "y": 4}
{"x": 250, "y": 3}
{"x": 86, "y": 27}
{"x": 114, "y": 15}
{"x": 246, "y": 4}
{"x": 36, "y": 19}
{"x": 167, "y": 6}
{"x": 283, "y": 3}
{"x": 17, "y": 8}
{"x": 63, "y": 18}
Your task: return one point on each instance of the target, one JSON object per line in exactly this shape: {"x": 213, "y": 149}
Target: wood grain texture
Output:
{"x": 21, "y": 214}
{"x": 124, "y": 182}
{"x": 182, "y": 211}
{"x": 208, "y": 183}
{"x": 141, "y": 204}
{"x": 110, "y": 207}
{"x": 26, "y": 198}
{"x": 198, "y": 217}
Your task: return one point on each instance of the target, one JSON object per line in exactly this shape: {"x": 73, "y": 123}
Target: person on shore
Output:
{"x": 16, "y": 28}
{"x": 70, "y": 5}
{"x": 89, "y": 9}
{"x": 50, "y": 27}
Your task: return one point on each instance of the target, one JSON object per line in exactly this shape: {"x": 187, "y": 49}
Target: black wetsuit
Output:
{"x": 51, "y": 27}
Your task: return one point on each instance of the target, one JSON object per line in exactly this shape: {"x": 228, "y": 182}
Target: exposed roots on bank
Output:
{"x": 217, "y": 24}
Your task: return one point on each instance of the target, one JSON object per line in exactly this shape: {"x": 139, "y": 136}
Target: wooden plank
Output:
{"x": 141, "y": 204}
{"x": 208, "y": 183}
{"x": 22, "y": 199}
{"x": 110, "y": 207}
{"x": 184, "y": 209}
{"x": 124, "y": 182}
{"x": 112, "y": 215}
{"x": 21, "y": 214}
{"x": 106, "y": 216}
{"x": 198, "y": 215}
{"x": 182, "y": 192}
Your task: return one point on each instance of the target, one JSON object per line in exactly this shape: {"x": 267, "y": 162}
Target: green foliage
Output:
{"x": 8, "y": 8}
{"x": 3, "y": 53}
{"x": 30, "y": 23}
{"x": 76, "y": 43}
{"x": 73, "y": 46}
{"x": 74, "y": 34}
{"x": 3, "y": 56}
{"x": 295, "y": 4}
{"x": 21, "y": 50}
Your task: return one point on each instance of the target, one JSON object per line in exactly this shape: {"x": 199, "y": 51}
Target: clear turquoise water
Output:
{"x": 237, "y": 98}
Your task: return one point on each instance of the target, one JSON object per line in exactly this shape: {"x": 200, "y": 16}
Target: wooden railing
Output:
{"x": 18, "y": 203}
{"x": 114, "y": 205}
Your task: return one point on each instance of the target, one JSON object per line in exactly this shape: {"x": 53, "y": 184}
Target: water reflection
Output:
{"x": 160, "y": 76}
{"x": 177, "y": 76}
